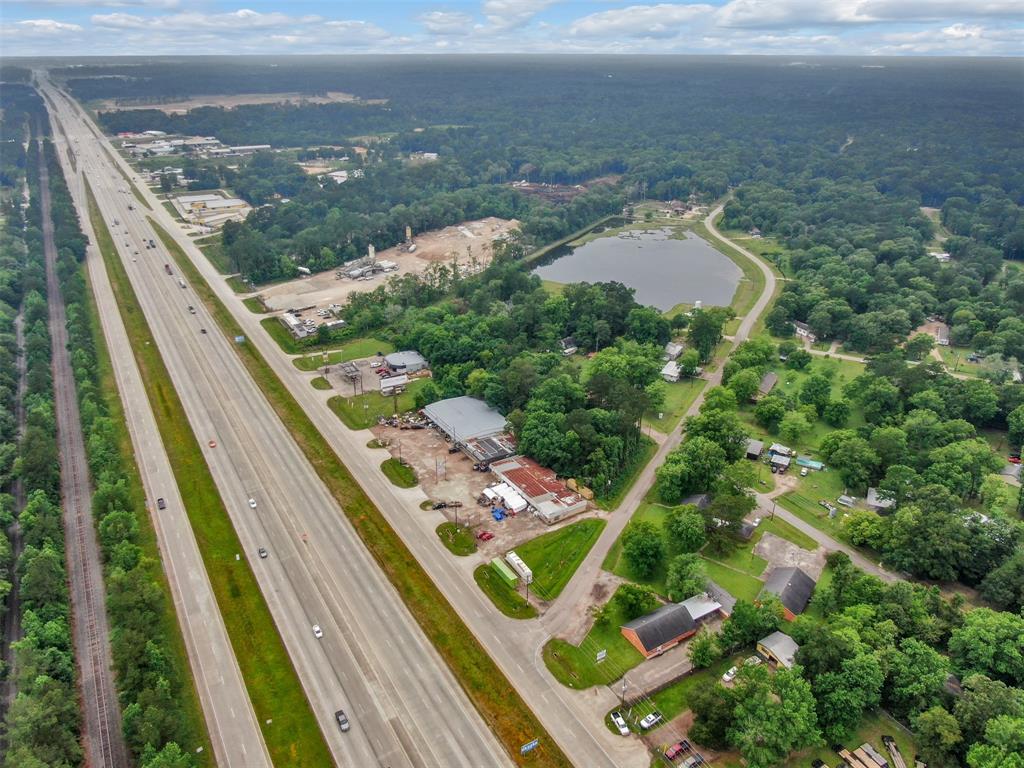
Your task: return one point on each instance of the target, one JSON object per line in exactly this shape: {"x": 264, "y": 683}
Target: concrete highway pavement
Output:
{"x": 406, "y": 707}
{"x": 102, "y": 737}
{"x": 573, "y": 719}
{"x": 234, "y": 732}
{"x": 578, "y": 589}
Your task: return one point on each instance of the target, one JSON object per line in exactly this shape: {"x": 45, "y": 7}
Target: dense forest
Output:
{"x": 43, "y": 722}
{"x": 798, "y": 134}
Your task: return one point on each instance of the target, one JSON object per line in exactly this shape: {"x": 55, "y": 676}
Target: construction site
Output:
{"x": 467, "y": 245}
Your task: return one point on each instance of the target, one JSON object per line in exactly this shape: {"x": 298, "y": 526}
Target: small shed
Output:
{"x": 804, "y": 331}
{"x": 779, "y": 461}
{"x": 672, "y": 351}
{"x": 754, "y": 449}
{"x": 778, "y": 648}
{"x": 780, "y": 449}
{"x": 568, "y": 346}
{"x": 671, "y": 372}
{"x": 879, "y": 502}
{"x": 768, "y": 382}
{"x": 391, "y": 384}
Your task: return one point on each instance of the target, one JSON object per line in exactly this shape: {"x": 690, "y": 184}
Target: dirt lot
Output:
{"x": 782, "y": 554}
{"x": 458, "y": 243}
{"x": 561, "y": 193}
{"x": 238, "y": 99}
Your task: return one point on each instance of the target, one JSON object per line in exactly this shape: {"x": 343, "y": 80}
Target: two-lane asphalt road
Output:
{"x": 374, "y": 661}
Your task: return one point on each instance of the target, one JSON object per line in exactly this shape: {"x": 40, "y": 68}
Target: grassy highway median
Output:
{"x": 292, "y": 736}
{"x": 500, "y": 705}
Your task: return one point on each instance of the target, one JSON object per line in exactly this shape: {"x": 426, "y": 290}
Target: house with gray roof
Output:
{"x": 793, "y": 587}
{"x": 778, "y": 648}
{"x": 656, "y": 632}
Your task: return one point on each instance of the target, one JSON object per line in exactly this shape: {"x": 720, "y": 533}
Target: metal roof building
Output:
{"x": 780, "y": 648}
{"x": 793, "y": 587}
{"x": 465, "y": 418}
{"x": 406, "y": 361}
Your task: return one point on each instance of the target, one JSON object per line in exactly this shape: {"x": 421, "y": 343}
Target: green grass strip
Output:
{"x": 554, "y": 557}
{"x": 457, "y": 539}
{"x": 398, "y": 473}
{"x": 499, "y": 704}
{"x": 505, "y": 598}
{"x": 188, "y": 703}
{"x": 293, "y": 737}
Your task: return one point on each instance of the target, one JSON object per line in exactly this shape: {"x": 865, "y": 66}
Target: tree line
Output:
{"x": 149, "y": 675}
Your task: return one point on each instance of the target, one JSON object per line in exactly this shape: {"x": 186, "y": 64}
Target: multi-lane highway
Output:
{"x": 574, "y": 719}
{"x": 373, "y": 661}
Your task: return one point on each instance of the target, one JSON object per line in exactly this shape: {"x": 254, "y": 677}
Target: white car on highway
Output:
{"x": 317, "y": 632}
{"x": 252, "y": 503}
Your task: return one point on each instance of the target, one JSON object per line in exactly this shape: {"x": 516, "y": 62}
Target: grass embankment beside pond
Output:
{"x": 293, "y": 737}
{"x": 356, "y": 349}
{"x": 752, "y": 283}
{"x": 554, "y": 557}
{"x": 457, "y": 539}
{"x": 177, "y": 662}
{"x": 540, "y": 253}
{"x": 505, "y": 598}
{"x": 610, "y": 498}
{"x": 398, "y": 473}
{"x": 499, "y": 704}
{"x": 362, "y": 411}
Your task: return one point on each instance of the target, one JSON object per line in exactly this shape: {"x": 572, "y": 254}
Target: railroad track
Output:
{"x": 102, "y": 738}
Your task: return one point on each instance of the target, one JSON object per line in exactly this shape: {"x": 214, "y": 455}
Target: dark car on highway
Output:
{"x": 161, "y": 504}
{"x": 342, "y": 719}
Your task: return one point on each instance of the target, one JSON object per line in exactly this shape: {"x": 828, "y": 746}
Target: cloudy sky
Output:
{"x": 869, "y": 27}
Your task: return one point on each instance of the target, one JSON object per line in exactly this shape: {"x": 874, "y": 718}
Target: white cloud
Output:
{"x": 806, "y": 13}
{"x": 643, "y": 21}
{"x": 156, "y": 4}
{"x": 234, "y": 21}
{"x": 510, "y": 14}
{"x": 447, "y": 22}
{"x": 46, "y": 26}
{"x": 956, "y": 39}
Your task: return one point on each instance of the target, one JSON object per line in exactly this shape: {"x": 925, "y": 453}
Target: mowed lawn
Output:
{"x": 577, "y": 666}
{"x": 361, "y": 411}
{"x": 554, "y": 557}
{"x": 356, "y": 349}
{"x": 679, "y": 396}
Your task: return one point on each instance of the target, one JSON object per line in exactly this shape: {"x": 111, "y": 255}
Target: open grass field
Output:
{"x": 355, "y": 349}
{"x": 457, "y": 539}
{"x": 679, "y": 396}
{"x": 399, "y": 474}
{"x": 577, "y": 666}
{"x": 294, "y": 737}
{"x": 955, "y": 359}
{"x": 554, "y": 557}
{"x": 505, "y": 599}
{"x": 737, "y": 583}
{"x": 177, "y": 657}
{"x": 609, "y": 498}
{"x": 498, "y": 703}
{"x": 214, "y": 250}
{"x": 361, "y": 411}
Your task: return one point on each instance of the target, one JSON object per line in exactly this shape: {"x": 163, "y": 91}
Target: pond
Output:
{"x": 665, "y": 268}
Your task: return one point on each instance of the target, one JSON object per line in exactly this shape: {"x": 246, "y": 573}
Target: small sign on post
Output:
{"x": 529, "y": 746}
{"x": 601, "y": 656}
{"x": 239, "y": 339}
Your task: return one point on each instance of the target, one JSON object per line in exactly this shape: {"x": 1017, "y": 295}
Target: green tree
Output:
{"x": 836, "y": 413}
{"x": 843, "y": 696}
{"x": 641, "y": 546}
{"x": 938, "y": 734}
{"x": 774, "y": 715}
{"x": 816, "y": 391}
{"x": 1005, "y": 585}
{"x": 684, "y": 529}
{"x": 919, "y": 346}
{"x": 770, "y": 411}
{"x": 703, "y": 649}
{"x": 983, "y": 699}
{"x": 749, "y": 622}
{"x": 686, "y": 577}
{"x": 989, "y": 643}
{"x": 690, "y": 468}
{"x": 721, "y": 427}
{"x": 635, "y": 600}
{"x": 713, "y": 708}
{"x": 794, "y": 426}
{"x": 705, "y": 330}
{"x": 1015, "y": 423}
{"x": 916, "y": 678}
{"x": 1003, "y": 747}
{"x": 745, "y": 383}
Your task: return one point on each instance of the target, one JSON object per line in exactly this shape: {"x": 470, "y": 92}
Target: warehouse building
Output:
{"x": 550, "y": 497}
{"x": 406, "y": 361}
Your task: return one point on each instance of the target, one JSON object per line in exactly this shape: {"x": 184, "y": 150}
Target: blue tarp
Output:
{"x": 498, "y": 514}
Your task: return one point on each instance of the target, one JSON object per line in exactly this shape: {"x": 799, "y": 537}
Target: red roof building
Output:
{"x": 541, "y": 488}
